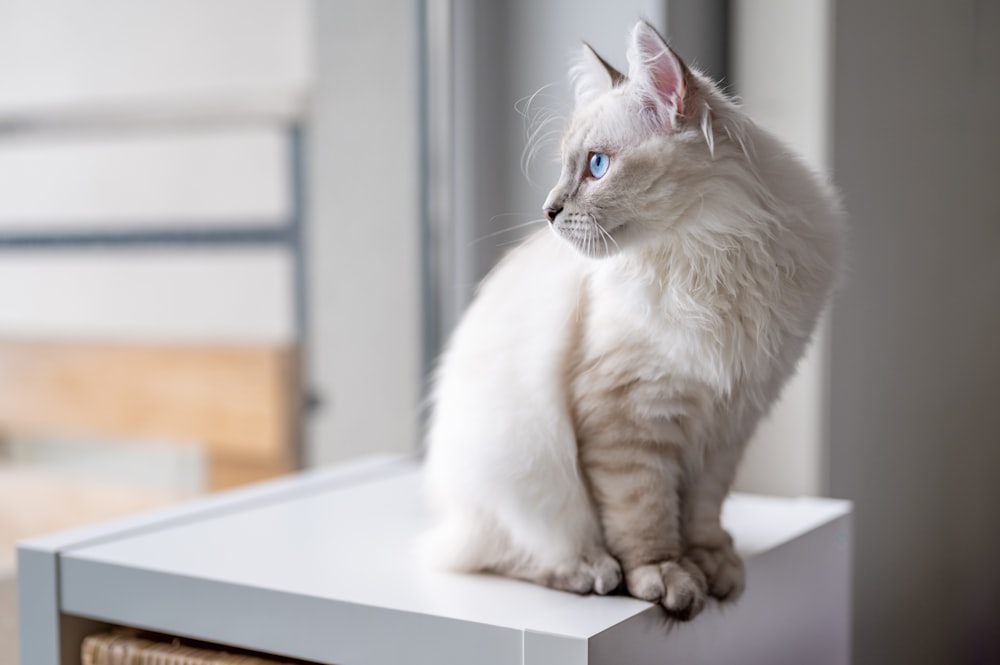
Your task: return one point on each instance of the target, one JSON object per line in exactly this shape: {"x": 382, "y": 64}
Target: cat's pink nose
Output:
{"x": 551, "y": 213}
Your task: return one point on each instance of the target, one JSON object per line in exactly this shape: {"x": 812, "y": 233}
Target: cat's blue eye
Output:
{"x": 599, "y": 163}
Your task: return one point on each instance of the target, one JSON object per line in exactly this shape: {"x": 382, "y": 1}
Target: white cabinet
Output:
{"x": 320, "y": 567}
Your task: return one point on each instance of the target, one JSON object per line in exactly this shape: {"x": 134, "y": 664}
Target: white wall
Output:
{"x": 364, "y": 231}
{"x": 123, "y": 116}
{"x": 190, "y": 296}
{"x": 128, "y": 179}
{"x": 780, "y": 68}
{"x": 915, "y": 365}
{"x": 58, "y": 56}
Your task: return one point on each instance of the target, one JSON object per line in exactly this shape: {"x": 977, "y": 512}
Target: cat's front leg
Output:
{"x": 708, "y": 545}
{"x": 636, "y": 485}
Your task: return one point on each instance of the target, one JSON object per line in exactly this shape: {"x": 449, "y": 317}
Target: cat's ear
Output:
{"x": 659, "y": 77}
{"x": 593, "y": 76}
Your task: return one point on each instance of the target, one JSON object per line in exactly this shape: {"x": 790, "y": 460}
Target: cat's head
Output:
{"x": 635, "y": 148}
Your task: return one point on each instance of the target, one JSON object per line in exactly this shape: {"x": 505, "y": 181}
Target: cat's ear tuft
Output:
{"x": 659, "y": 76}
{"x": 593, "y": 76}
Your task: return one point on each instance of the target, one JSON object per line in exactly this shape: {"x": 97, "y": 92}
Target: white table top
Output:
{"x": 308, "y": 573}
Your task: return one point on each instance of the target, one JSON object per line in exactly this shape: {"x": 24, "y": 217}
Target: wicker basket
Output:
{"x": 124, "y": 647}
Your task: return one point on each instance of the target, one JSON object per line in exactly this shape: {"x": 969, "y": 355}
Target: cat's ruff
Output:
{"x": 594, "y": 401}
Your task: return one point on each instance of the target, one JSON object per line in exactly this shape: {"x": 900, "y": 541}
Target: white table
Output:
{"x": 318, "y": 566}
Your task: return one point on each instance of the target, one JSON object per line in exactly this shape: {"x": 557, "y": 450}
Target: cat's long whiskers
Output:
{"x": 536, "y": 142}
{"x": 523, "y": 105}
{"x": 607, "y": 236}
{"x": 534, "y": 145}
{"x": 537, "y": 128}
{"x": 510, "y": 214}
{"x": 600, "y": 235}
{"x": 509, "y": 229}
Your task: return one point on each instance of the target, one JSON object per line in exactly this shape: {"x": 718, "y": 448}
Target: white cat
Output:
{"x": 595, "y": 400}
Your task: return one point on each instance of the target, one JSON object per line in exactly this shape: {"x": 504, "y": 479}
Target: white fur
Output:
{"x": 707, "y": 281}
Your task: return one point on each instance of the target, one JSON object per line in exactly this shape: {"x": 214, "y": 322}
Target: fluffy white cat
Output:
{"x": 594, "y": 402}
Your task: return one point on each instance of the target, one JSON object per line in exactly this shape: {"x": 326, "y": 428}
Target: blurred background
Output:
{"x": 235, "y": 233}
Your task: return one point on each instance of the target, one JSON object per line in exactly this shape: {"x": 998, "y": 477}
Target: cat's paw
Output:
{"x": 722, "y": 567}
{"x": 599, "y": 573}
{"x": 679, "y": 586}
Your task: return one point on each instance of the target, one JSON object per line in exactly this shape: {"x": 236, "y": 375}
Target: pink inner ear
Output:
{"x": 665, "y": 71}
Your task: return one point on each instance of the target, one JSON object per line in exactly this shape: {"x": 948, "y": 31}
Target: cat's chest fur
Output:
{"x": 647, "y": 368}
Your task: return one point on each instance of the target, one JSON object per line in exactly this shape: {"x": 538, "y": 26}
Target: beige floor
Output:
{"x": 8, "y": 621}
{"x": 35, "y": 502}
{"x": 32, "y": 503}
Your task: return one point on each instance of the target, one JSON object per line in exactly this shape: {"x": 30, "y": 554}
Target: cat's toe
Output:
{"x": 686, "y": 590}
{"x": 723, "y": 569}
{"x": 677, "y": 585}
{"x": 729, "y": 582}
{"x": 645, "y": 582}
{"x": 599, "y": 574}
{"x": 607, "y": 575}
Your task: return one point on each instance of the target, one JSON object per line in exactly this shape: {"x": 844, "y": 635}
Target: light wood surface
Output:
{"x": 34, "y": 502}
{"x": 239, "y": 402}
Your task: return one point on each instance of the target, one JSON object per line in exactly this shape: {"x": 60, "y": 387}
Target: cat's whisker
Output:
{"x": 534, "y": 147}
{"x": 536, "y": 118}
{"x": 535, "y": 143}
{"x": 508, "y": 229}
{"x": 607, "y": 236}
{"x": 540, "y": 136}
{"x": 509, "y": 214}
{"x": 540, "y": 126}
{"x": 540, "y": 121}
{"x": 508, "y": 243}
{"x": 523, "y": 105}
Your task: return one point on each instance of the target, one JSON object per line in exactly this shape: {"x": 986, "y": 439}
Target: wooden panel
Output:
{"x": 225, "y": 472}
{"x": 239, "y": 402}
